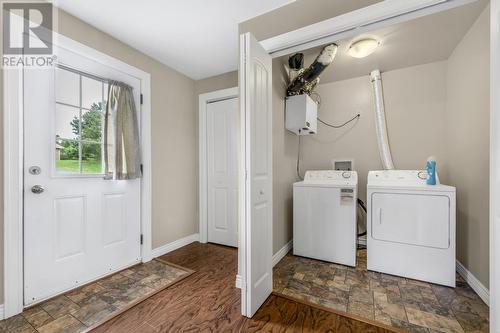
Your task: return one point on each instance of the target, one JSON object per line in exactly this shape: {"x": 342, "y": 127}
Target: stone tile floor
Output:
{"x": 87, "y": 306}
{"x": 402, "y": 303}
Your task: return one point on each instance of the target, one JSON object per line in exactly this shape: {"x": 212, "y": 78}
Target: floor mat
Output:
{"x": 89, "y": 306}
{"x": 401, "y": 303}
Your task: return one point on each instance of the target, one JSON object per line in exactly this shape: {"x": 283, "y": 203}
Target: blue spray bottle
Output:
{"x": 431, "y": 171}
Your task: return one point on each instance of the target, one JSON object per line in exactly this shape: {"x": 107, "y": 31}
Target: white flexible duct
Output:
{"x": 380, "y": 124}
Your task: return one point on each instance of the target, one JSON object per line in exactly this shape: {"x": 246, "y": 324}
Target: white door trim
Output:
{"x": 204, "y": 100}
{"x": 13, "y": 168}
{"x": 13, "y": 192}
{"x": 354, "y": 23}
{"x": 494, "y": 167}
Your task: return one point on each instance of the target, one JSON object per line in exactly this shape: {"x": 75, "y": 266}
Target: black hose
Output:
{"x": 363, "y": 207}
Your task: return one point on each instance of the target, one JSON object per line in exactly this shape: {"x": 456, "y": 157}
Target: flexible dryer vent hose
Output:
{"x": 380, "y": 123}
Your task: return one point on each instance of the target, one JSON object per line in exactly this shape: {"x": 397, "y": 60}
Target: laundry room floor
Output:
{"x": 402, "y": 303}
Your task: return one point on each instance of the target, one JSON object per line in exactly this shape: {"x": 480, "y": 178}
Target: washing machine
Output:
{"x": 411, "y": 226}
{"x": 324, "y": 216}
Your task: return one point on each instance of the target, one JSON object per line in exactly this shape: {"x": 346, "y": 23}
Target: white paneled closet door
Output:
{"x": 222, "y": 155}
{"x": 256, "y": 95}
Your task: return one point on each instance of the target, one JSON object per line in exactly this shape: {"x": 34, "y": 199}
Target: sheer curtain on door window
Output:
{"x": 122, "y": 151}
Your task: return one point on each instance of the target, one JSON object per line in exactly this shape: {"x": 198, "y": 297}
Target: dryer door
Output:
{"x": 416, "y": 219}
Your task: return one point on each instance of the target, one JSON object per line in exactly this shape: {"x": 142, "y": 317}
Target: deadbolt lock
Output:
{"x": 35, "y": 170}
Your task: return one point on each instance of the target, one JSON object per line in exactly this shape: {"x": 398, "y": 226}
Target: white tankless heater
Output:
{"x": 324, "y": 216}
{"x": 411, "y": 226}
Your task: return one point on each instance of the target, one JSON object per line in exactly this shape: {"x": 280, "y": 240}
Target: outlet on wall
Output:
{"x": 343, "y": 164}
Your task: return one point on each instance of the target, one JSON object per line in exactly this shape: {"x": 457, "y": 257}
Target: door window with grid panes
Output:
{"x": 79, "y": 122}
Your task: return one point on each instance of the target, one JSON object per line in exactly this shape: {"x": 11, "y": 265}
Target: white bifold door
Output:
{"x": 222, "y": 162}
{"x": 256, "y": 105}
{"x": 78, "y": 226}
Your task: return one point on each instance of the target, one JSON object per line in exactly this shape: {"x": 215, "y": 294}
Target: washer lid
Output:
{"x": 404, "y": 178}
{"x": 331, "y": 178}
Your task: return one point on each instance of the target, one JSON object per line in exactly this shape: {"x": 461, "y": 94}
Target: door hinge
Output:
{"x": 142, "y": 239}
{"x": 142, "y": 169}
{"x": 142, "y": 99}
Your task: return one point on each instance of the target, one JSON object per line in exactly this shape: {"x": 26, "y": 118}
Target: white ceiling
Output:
{"x": 198, "y": 38}
{"x": 420, "y": 41}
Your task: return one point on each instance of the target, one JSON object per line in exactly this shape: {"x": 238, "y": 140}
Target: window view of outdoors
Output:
{"x": 80, "y": 106}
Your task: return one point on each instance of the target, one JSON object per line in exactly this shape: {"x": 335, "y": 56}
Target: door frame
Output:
{"x": 494, "y": 166}
{"x": 349, "y": 25}
{"x": 204, "y": 100}
{"x": 13, "y": 168}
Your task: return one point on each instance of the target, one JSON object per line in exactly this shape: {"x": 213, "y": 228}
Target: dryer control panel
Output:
{"x": 399, "y": 177}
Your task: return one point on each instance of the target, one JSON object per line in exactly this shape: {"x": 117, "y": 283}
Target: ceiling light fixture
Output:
{"x": 363, "y": 47}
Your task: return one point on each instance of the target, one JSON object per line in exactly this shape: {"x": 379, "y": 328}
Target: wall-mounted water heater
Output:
{"x": 301, "y": 115}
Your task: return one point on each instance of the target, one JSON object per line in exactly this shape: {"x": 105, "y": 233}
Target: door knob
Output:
{"x": 37, "y": 189}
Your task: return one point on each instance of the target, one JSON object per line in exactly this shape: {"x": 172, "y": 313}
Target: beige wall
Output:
{"x": 175, "y": 208}
{"x": 467, "y": 121}
{"x": 412, "y": 96}
{"x": 409, "y": 105}
{"x": 299, "y": 14}
{"x": 223, "y": 81}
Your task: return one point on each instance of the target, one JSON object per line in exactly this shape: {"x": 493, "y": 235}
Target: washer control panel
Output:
{"x": 331, "y": 177}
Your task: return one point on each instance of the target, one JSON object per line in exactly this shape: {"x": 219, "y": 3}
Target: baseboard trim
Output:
{"x": 159, "y": 251}
{"x": 239, "y": 281}
{"x": 2, "y": 312}
{"x": 474, "y": 283}
{"x": 282, "y": 252}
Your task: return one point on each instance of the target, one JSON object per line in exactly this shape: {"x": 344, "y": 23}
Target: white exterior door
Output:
{"x": 256, "y": 95}
{"x": 77, "y": 226}
{"x": 222, "y": 149}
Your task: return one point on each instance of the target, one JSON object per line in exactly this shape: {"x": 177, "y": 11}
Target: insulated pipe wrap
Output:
{"x": 380, "y": 123}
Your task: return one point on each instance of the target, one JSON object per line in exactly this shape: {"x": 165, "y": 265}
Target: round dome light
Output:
{"x": 363, "y": 48}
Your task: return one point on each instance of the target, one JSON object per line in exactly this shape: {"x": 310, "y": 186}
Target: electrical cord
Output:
{"x": 341, "y": 125}
{"x": 298, "y": 162}
{"x": 317, "y": 98}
